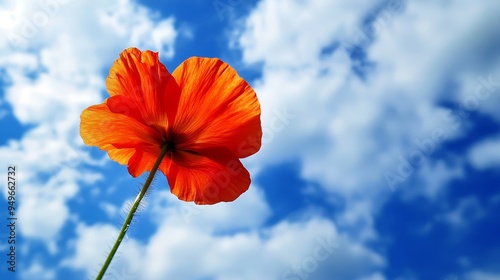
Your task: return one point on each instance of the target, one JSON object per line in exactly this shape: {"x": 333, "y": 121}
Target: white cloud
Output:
{"x": 345, "y": 125}
{"x": 293, "y": 33}
{"x": 145, "y": 29}
{"x": 225, "y": 241}
{"x": 433, "y": 176}
{"x": 37, "y": 271}
{"x": 481, "y": 275}
{"x": 92, "y": 241}
{"x": 485, "y": 154}
{"x": 54, "y": 57}
{"x": 346, "y": 130}
{"x": 41, "y": 154}
{"x": 249, "y": 211}
{"x": 285, "y": 249}
{"x": 349, "y": 123}
{"x": 467, "y": 211}
{"x": 110, "y": 209}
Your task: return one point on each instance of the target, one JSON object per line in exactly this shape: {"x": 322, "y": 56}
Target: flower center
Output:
{"x": 169, "y": 144}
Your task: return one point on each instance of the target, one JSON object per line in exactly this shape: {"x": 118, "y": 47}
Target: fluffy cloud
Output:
{"x": 385, "y": 112}
{"x": 37, "y": 271}
{"x": 468, "y": 210}
{"x": 53, "y": 59}
{"x": 271, "y": 36}
{"x": 364, "y": 91}
{"x": 288, "y": 250}
{"x": 481, "y": 275}
{"x": 486, "y": 154}
{"x": 347, "y": 118}
{"x": 220, "y": 217}
{"x": 91, "y": 239}
{"x": 225, "y": 241}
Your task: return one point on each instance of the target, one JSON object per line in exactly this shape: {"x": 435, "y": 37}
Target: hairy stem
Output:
{"x": 132, "y": 212}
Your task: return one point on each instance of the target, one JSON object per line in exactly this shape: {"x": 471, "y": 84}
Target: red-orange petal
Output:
{"x": 115, "y": 133}
{"x": 209, "y": 178}
{"x": 122, "y": 156}
{"x": 144, "y": 159}
{"x": 146, "y": 86}
{"x": 217, "y": 108}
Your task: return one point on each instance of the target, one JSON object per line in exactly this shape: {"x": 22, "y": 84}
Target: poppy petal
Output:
{"x": 207, "y": 178}
{"x": 144, "y": 159}
{"x": 122, "y": 156}
{"x": 217, "y": 108}
{"x": 146, "y": 82}
{"x": 101, "y": 127}
{"x": 120, "y": 104}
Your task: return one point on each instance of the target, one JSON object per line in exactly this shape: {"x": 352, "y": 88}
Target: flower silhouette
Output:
{"x": 201, "y": 120}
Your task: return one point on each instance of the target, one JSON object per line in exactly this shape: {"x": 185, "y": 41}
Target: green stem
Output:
{"x": 133, "y": 210}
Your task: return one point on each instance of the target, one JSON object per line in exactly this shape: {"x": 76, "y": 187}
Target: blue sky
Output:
{"x": 380, "y": 156}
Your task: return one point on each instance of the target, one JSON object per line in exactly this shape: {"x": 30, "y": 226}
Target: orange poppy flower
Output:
{"x": 203, "y": 116}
